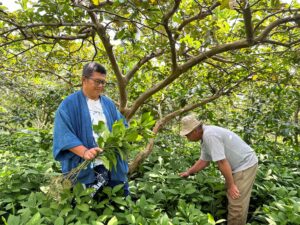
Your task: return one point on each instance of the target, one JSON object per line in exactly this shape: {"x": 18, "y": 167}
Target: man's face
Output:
{"x": 94, "y": 85}
{"x": 194, "y": 135}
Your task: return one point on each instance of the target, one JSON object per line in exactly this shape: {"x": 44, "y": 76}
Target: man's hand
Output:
{"x": 233, "y": 192}
{"x": 184, "y": 174}
{"x": 91, "y": 153}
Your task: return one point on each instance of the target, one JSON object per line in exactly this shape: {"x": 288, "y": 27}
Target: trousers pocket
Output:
{"x": 238, "y": 176}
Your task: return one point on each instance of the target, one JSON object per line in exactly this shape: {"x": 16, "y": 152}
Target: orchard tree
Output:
{"x": 169, "y": 57}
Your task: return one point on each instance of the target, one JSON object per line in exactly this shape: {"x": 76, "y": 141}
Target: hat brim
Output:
{"x": 187, "y": 131}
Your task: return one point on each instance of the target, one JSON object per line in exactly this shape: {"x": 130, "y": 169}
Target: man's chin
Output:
{"x": 98, "y": 92}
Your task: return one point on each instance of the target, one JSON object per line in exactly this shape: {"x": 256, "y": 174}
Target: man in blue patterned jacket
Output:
{"x": 74, "y": 138}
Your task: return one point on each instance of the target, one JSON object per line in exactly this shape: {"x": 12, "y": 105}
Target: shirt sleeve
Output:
{"x": 204, "y": 156}
{"x": 215, "y": 147}
{"x": 64, "y": 137}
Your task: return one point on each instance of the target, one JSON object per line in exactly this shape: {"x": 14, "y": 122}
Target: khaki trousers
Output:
{"x": 238, "y": 208}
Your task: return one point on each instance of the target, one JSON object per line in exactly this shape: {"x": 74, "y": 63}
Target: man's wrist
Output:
{"x": 84, "y": 152}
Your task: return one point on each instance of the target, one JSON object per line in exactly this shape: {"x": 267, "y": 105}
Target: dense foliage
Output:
{"x": 235, "y": 63}
{"x": 158, "y": 194}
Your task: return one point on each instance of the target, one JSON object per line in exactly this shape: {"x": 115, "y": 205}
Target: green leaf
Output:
{"x": 211, "y": 219}
{"x": 224, "y": 4}
{"x": 24, "y": 4}
{"x": 117, "y": 188}
{"x": 97, "y": 223}
{"x": 13, "y": 220}
{"x": 190, "y": 190}
{"x": 221, "y": 221}
{"x": 113, "y": 221}
{"x": 120, "y": 34}
{"x": 45, "y": 211}
{"x": 59, "y": 221}
{"x": 131, "y": 135}
{"x": 275, "y": 3}
{"x": 108, "y": 191}
{"x": 83, "y": 207}
{"x": 95, "y": 2}
{"x": 106, "y": 162}
{"x": 35, "y": 220}
{"x": 78, "y": 189}
{"x": 118, "y": 129}
{"x": 32, "y": 200}
{"x": 147, "y": 120}
{"x": 64, "y": 212}
{"x": 164, "y": 220}
{"x": 173, "y": 191}
{"x": 120, "y": 201}
{"x": 130, "y": 219}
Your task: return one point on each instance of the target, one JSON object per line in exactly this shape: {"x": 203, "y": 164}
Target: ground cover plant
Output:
{"x": 158, "y": 194}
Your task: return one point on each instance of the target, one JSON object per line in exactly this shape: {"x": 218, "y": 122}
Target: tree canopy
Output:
{"x": 167, "y": 57}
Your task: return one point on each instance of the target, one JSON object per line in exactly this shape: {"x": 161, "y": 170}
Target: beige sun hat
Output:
{"x": 188, "y": 124}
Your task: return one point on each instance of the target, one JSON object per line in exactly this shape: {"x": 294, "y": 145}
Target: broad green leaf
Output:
{"x": 211, "y": 219}
{"x": 164, "y": 220}
{"x": 113, "y": 221}
{"x": 35, "y": 220}
{"x": 106, "y": 162}
{"x": 45, "y": 211}
{"x": 78, "y": 189}
{"x": 83, "y": 207}
{"x": 120, "y": 201}
{"x": 117, "y": 188}
{"x": 130, "y": 219}
{"x": 13, "y": 220}
{"x": 59, "y": 221}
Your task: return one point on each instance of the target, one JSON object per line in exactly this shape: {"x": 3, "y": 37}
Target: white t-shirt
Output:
{"x": 97, "y": 114}
{"x": 219, "y": 143}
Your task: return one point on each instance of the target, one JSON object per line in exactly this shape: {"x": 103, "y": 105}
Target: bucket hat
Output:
{"x": 188, "y": 124}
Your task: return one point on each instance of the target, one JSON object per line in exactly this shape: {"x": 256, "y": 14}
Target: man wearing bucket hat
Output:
{"x": 235, "y": 159}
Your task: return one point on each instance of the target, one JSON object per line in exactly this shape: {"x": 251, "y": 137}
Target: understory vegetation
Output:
{"x": 158, "y": 194}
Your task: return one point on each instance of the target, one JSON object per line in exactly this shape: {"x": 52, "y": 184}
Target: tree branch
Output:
{"x": 35, "y": 45}
{"x": 141, "y": 156}
{"x": 201, "y": 15}
{"x": 120, "y": 17}
{"x": 55, "y": 74}
{"x": 64, "y": 37}
{"x": 205, "y": 55}
{"x": 274, "y": 24}
{"x": 221, "y": 59}
{"x": 276, "y": 43}
{"x": 165, "y": 22}
{"x": 13, "y": 41}
{"x": 273, "y": 14}
{"x": 217, "y": 67}
{"x": 248, "y": 23}
{"x": 33, "y": 25}
{"x": 43, "y": 71}
{"x": 109, "y": 50}
{"x": 141, "y": 62}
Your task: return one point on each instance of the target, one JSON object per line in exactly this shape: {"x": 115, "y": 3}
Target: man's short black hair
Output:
{"x": 91, "y": 67}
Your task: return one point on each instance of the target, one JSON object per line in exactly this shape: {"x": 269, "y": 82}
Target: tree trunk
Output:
{"x": 296, "y": 120}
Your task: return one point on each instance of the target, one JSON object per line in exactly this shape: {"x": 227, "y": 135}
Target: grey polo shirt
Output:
{"x": 219, "y": 143}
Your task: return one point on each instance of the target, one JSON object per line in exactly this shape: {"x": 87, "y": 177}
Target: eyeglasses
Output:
{"x": 98, "y": 82}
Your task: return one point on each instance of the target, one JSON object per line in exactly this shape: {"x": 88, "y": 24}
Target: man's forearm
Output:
{"x": 225, "y": 169}
{"x": 198, "y": 166}
{"x": 79, "y": 150}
